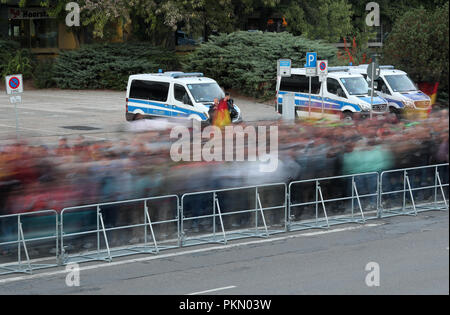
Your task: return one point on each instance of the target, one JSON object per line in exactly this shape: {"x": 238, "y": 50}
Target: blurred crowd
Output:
{"x": 138, "y": 165}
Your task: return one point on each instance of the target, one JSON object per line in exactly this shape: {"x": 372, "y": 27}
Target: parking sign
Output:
{"x": 311, "y": 60}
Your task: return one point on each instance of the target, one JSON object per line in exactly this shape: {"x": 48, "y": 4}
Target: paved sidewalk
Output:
{"x": 52, "y": 113}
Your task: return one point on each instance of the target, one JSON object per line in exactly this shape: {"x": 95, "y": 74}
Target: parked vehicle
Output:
{"x": 398, "y": 89}
{"x": 345, "y": 95}
{"x": 173, "y": 95}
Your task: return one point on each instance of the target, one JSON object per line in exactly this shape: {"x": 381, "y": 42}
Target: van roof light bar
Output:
{"x": 338, "y": 69}
{"x": 186, "y": 75}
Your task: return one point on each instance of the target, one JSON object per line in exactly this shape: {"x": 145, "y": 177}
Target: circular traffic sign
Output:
{"x": 323, "y": 66}
{"x": 14, "y": 83}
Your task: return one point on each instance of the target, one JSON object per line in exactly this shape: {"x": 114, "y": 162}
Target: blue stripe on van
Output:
{"x": 163, "y": 111}
{"x": 335, "y": 104}
{"x": 399, "y": 103}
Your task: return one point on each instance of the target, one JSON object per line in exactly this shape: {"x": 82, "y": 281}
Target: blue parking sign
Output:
{"x": 311, "y": 60}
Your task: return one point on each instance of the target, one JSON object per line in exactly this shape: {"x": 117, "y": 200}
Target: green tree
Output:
{"x": 419, "y": 44}
{"x": 329, "y": 20}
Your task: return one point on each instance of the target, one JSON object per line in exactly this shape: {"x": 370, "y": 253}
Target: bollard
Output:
{"x": 289, "y": 107}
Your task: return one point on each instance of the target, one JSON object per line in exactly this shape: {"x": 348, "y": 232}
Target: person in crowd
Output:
{"x": 78, "y": 172}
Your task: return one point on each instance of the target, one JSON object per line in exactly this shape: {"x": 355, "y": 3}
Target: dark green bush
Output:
{"x": 247, "y": 61}
{"x": 108, "y": 66}
{"x": 43, "y": 74}
{"x": 15, "y": 60}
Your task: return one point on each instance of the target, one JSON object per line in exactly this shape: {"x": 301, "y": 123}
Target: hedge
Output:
{"x": 247, "y": 61}
{"x": 108, "y": 66}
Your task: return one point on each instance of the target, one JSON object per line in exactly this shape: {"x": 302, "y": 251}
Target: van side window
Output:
{"x": 149, "y": 90}
{"x": 299, "y": 84}
{"x": 333, "y": 86}
{"x": 382, "y": 87}
{"x": 181, "y": 94}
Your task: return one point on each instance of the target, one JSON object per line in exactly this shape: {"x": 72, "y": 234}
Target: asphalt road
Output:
{"x": 50, "y": 114}
{"x": 412, "y": 253}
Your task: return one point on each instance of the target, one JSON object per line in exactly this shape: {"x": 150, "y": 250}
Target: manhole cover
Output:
{"x": 80, "y": 128}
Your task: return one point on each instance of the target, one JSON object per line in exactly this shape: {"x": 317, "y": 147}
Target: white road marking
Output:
{"x": 202, "y": 250}
{"x": 213, "y": 290}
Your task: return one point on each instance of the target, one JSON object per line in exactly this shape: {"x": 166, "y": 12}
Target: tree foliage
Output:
{"x": 108, "y": 66}
{"x": 419, "y": 44}
{"x": 230, "y": 59}
{"x": 329, "y": 20}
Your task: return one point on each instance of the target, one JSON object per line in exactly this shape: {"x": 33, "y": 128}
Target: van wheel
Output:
{"x": 347, "y": 116}
{"x": 395, "y": 111}
{"x": 138, "y": 117}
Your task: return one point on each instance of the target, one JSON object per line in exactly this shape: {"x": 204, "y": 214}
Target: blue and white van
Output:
{"x": 345, "y": 95}
{"x": 173, "y": 95}
{"x": 398, "y": 89}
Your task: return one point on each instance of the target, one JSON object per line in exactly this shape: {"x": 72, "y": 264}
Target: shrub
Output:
{"x": 15, "y": 60}
{"x": 43, "y": 74}
{"x": 247, "y": 61}
{"x": 108, "y": 66}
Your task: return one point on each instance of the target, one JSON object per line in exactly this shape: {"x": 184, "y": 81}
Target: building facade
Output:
{"x": 33, "y": 28}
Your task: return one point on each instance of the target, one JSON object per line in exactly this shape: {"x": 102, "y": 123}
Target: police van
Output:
{"x": 173, "y": 95}
{"x": 398, "y": 89}
{"x": 345, "y": 95}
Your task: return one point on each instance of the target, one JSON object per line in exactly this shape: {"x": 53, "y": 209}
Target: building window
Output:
{"x": 32, "y": 28}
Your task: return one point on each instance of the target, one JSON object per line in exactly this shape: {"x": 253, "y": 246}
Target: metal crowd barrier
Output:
{"x": 26, "y": 235}
{"x": 340, "y": 200}
{"x": 102, "y": 220}
{"x": 413, "y": 190}
{"x": 150, "y": 225}
{"x": 218, "y": 216}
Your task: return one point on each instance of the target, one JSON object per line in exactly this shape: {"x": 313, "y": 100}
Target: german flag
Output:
{"x": 430, "y": 89}
{"x": 222, "y": 116}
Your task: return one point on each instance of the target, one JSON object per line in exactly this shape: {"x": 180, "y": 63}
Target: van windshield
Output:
{"x": 356, "y": 86}
{"x": 206, "y": 92}
{"x": 400, "y": 83}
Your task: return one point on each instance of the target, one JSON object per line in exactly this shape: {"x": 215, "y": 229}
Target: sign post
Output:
{"x": 373, "y": 72}
{"x": 322, "y": 71}
{"x": 311, "y": 71}
{"x": 14, "y": 87}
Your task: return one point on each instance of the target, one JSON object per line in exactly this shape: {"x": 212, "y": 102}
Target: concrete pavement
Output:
{"x": 49, "y": 114}
{"x": 412, "y": 253}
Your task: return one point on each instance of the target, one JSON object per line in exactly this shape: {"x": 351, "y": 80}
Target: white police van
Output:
{"x": 398, "y": 89}
{"x": 173, "y": 95}
{"x": 345, "y": 95}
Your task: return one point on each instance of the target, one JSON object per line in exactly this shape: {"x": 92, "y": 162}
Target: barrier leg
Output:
{"x": 317, "y": 202}
{"x": 411, "y": 194}
{"x": 181, "y": 220}
{"x": 147, "y": 215}
{"x": 353, "y": 197}
{"x": 22, "y": 241}
{"x": 214, "y": 221}
{"x": 404, "y": 191}
{"x": 442, "y": 189}
{"x": 220, "y": 218}
{"x": 262, "y": 215}
{"x": 359, "y": 202}
{"x": 323, "y": 205}
{"x": 104, "y": 235}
